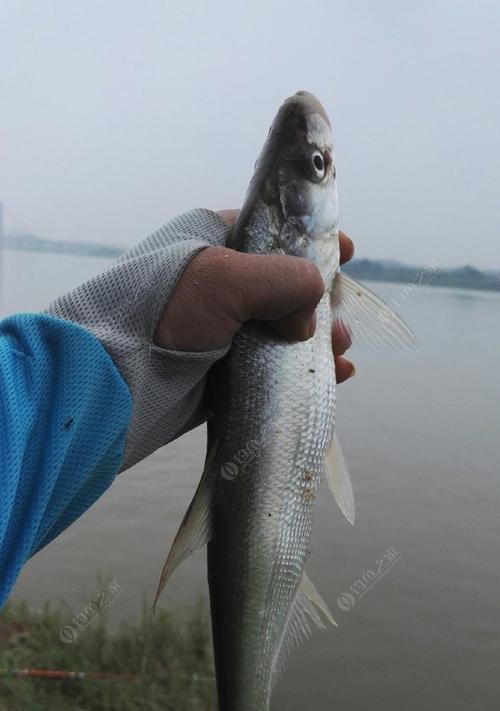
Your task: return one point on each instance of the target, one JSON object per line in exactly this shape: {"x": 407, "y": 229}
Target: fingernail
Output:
{"x": 352, "y": 373}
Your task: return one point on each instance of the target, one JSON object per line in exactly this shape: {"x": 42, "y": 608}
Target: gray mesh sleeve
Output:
{"x": 121, "y": 307}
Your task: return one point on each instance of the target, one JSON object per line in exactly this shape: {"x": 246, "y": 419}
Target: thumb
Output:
{"x": 284, "y": 290}
{"x": 221, "y": 288}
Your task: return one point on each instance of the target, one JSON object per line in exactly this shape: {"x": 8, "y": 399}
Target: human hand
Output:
{"x": 221, "y": 288}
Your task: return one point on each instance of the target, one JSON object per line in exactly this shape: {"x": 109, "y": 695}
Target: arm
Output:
{"x": 64, "y": 414}
{"x": 116, "y": 369}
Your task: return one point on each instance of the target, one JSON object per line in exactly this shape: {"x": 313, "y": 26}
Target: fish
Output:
{"x": 271, "y": 426}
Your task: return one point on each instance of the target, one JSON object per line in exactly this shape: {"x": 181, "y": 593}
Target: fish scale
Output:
{"x": 271, "y": 431}
{"x": 269, "y": 504}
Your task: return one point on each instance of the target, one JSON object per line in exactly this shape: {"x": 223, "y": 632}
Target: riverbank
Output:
{"x": 160, "y": 662}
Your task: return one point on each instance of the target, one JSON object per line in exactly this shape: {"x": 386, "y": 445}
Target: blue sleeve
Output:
{"x": 64, "y": 416}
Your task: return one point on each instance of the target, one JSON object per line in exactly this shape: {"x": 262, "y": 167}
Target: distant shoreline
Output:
{"x": 31, "y": 243}
{"x": 465, "y": 277}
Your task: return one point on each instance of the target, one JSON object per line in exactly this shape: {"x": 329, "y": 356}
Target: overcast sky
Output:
{"x": 116, "y": 115}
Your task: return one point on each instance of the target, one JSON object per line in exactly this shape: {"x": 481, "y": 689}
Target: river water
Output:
{"x": 414, "y": 585}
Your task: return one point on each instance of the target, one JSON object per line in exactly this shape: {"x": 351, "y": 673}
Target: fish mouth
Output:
{"x": 309, "y": 103}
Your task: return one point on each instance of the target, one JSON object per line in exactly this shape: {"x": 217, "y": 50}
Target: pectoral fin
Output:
{"x": 367, "y": 319}
{"x": 339, "y": 481}
{"x": 196, "y": 527}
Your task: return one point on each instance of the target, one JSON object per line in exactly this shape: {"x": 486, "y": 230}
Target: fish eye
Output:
{"x": 318, "y": 162}
{"x": 318, "y": 165}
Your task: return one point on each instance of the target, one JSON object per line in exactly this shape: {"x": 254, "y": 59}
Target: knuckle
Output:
{"x": 216, "y": 265}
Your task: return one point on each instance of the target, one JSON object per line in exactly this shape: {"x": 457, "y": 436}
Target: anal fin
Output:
{"x": 306, "y": 606}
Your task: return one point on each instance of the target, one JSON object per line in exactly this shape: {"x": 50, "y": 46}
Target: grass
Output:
{"x": 168, "y": 653}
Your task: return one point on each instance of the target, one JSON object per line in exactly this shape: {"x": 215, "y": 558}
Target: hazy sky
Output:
{"x": 116, "y": 115}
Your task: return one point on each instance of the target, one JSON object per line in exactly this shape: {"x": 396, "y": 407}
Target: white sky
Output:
{"x": 116, "y": 115}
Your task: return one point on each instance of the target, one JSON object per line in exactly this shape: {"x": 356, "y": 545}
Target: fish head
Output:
{"x": 291, "y": 205}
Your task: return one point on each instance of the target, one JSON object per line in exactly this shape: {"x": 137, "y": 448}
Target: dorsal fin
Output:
{"x": 196, "y": 527}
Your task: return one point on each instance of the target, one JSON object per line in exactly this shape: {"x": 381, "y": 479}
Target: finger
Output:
{"x": 346, "y": 247}
{"x": 344, "y": 369}
{"x": 298, "y": 326}
{"x": 281, "y": 289}
{"x": 341, "y": 339}
{"x": 229, "y": 216}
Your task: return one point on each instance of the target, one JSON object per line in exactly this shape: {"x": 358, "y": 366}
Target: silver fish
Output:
{"x": 271, "y": 435}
